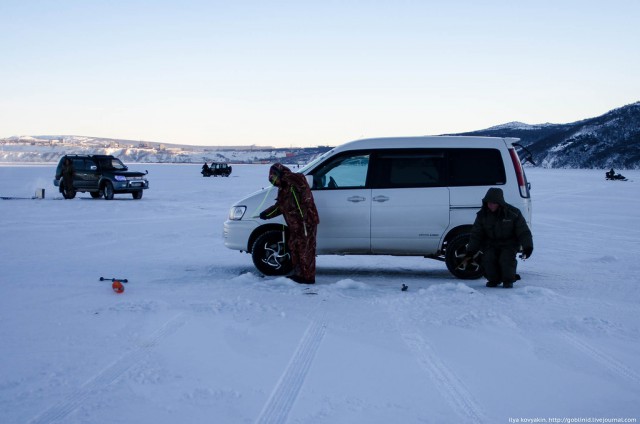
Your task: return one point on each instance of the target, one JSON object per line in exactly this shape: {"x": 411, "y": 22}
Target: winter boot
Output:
{"x": 493, "y": 283}
{"x": 300, "y": 280}
{"x": 507, "y": 285}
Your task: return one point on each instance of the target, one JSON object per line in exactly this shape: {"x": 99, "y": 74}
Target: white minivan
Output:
{"x": 408, "y": 196}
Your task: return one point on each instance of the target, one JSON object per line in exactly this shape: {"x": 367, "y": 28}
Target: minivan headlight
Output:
{"x": 237, "y": 212}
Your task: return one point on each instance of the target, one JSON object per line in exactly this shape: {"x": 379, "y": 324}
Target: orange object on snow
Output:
{"x": 117, "y": 287}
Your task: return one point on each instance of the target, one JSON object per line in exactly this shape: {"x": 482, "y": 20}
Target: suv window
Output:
{"x": 410, "y": 168}
{"x": 79, "y": 164}
{"x": 346, "y": 171}
{"x": 111, "y": 163}
{"x": 475, "y": 167}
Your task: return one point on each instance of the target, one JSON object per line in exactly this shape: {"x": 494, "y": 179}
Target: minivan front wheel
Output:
{"x": 454, "y": 256}
{"x": 270, "y": 253}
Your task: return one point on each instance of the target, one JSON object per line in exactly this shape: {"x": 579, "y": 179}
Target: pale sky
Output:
{"x": 308, "y": 73}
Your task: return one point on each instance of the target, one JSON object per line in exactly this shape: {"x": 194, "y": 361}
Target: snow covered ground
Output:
{"x": 199, "y": 337}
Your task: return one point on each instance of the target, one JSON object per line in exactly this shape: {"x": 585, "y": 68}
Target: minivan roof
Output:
{"x": 434, "y": 141}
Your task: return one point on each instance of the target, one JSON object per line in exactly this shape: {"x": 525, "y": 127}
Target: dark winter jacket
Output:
{"x": 294, "y": 201}
{"x": 504, "y": 228}
{"x": 68, "y": 171}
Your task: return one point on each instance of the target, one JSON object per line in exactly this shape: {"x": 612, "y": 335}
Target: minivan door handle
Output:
{"x": 356, "y": 199}
{"x": 380, "y": 199}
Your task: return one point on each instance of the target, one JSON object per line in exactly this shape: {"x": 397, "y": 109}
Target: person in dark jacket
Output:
{"x": 295, "y": 203}
{"x": 499, "y": 230}
{"x": 610, "y": 174}
{"x": 68, "y": 172}
{"x": 206, "y": 171}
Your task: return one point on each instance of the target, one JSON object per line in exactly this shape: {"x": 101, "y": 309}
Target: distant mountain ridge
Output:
{"x": 608, "y": 141}
{"x": 49, "y": 148}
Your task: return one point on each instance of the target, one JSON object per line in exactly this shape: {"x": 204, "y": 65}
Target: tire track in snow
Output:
{"x": 107, "y": 376}
{"x": 447, "y": 382}
{"x": 284, "y": 395}
{"x": 610, "y": 363}
{"x": 449, "y": 385}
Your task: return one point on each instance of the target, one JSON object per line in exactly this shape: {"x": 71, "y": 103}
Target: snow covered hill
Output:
{"x": 39, "y": 149}
{"x": 198, "y": 336}
{"x": 610, "y": 140}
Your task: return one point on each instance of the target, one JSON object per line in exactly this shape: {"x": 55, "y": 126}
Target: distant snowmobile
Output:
{"x": 611, "y": 175}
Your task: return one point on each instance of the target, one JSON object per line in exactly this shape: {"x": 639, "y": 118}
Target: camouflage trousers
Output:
{"x": 303, "y": 251}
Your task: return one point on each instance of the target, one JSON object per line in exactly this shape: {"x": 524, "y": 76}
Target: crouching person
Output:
{"x": 499, "y": 230}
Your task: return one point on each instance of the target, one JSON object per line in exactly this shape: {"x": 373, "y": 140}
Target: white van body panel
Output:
{"x": 393, "y": 221}
{"x": 345, "y": 221}
{"x": 398, "y": 224}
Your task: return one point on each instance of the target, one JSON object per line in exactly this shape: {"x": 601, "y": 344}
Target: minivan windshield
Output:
{"x": 315, "y": 161}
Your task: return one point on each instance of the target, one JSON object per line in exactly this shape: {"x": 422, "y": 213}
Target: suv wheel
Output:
{"x": 455, "y": 254}
{"x": 108, "y": 190}
{"x": 66, "y": 193}
{"x": 137, "y": 194}
{"x": 270, "y": 254}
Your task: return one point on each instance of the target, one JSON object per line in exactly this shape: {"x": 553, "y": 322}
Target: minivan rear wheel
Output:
{"x": 270, "y": 253}
{"x": 454, "y": 256}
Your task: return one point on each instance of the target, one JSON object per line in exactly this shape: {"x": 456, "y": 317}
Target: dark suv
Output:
{"x": 217, "y": 169}
{"x": 100, "y": 175}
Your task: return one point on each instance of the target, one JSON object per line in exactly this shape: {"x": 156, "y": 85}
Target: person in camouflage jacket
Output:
{"x": 295, "y": 203}
{"x": 499, "y": 230}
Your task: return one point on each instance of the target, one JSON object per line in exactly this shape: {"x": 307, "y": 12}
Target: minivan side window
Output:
{"x": 344, "y": 171}
{"x": 409, "y": 168}
{"x": 476, "y": 167}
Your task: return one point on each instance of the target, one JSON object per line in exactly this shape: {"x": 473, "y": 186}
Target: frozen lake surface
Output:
{"x": 199, "y": 337}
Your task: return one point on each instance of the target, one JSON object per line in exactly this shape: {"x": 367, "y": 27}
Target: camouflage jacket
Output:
{"x": 295, "y": 200}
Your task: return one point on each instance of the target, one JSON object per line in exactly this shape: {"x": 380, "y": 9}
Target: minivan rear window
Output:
{"x": 410, "y": 168}
{"x": 475, "y": 167}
